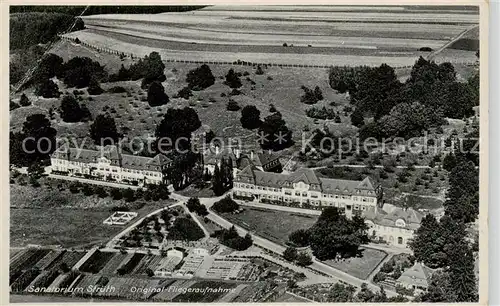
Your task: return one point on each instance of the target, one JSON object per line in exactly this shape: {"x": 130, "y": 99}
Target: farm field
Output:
{"x": 360, "y": 267}
{"x": 337, "y": 35}
{"x": 270, "y": 224}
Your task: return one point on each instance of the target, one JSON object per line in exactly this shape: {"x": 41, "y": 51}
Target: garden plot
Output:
{"x": 68, "y": 258}
{"x": 115, "y": 263}
{"x": 96, "y": 262}
{"x": 46, "y": 261}
{"x": 27, "y": 259}
{"x": 168, "y": 295}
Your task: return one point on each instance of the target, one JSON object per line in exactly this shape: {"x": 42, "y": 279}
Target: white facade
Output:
{"x": 304, "y": 188}
{"x": 396, "y": 226}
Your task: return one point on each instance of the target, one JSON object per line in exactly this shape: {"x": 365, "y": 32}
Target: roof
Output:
{"x": 418, "y": 275}
{"x": 411, "y": 217}
{"x": 265, "y": 158}
{"x": 308, "y": 176}
{"x": 112, "y": 154}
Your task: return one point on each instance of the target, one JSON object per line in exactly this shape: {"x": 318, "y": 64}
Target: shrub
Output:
{"x": 200, "y": 78}
{"x": 185, "y": 93}
{"x": 226, "y": 205}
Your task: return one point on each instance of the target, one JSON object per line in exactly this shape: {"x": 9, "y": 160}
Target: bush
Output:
{"x": 185, "y": 93}
{"x": 47, "y": 89}
{"x": 426, "y": 49}
{"x": 200, "y": 78}
{"x": 226, "y": 205}
{"x": 157, "y": 95}
{"x": 321, "y": 113}
{"x": 194, "y": 205}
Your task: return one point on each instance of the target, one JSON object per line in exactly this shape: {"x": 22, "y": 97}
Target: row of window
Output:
{"x": 303, "y": 194}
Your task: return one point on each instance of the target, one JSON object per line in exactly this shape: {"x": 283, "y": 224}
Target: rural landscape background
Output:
{"x": 406, "y": 77}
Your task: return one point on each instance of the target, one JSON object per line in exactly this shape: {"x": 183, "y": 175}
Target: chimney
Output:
{"x": 216, "y": 150}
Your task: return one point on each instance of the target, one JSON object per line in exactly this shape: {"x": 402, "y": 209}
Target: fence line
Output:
{"x": 235, "y": 63}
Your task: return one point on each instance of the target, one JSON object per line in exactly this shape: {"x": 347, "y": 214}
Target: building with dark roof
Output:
{"x": 109, "y": 164}
{"x": 304, "y": 188}
{"x": 264, "y": 161}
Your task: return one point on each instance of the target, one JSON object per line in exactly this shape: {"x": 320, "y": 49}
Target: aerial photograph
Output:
{"x": 242, "y": 154}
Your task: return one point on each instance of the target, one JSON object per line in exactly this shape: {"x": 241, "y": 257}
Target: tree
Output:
{"x": 461, "y": 272}
{"x": 36, "y": 170}
{"x": 103, "y": 130}
{"x": 116, "y": 194}
{"x": 70, "y": 109}
{"x": 232, "y": 79}
{"x": 185, "y": 229}
{"x": 449, "y": 162}
{"x": 299, "y": 237}
{"x": 232, "y": 105}
{"x": 24, "y": 101}
{"x": 177, "y": 126}
{"x": 129, "y": 195}
{"x": 424, "y": 243}
{"x": 79, "y": 71}
{"x": 13, "y": 105}
{"x": 463, "y": 194}
{"x": 200, "y": 78}
{"x": 50, "y": 66}
{"x": 225, "y": 205}
{"x": 34, "y": 143}
{"x": 410, "y": 120}
{"x": 439, "y": 289}
{"x": 304, "y": 259}
{"x": 310, "y": 96}
{"x": 259, "y": 70}
{"x": 156, "y": 94}
{"x": 377, "y": 91}
{"x": 290, "y": 254}
{"x": 334, "y": 235}
{"x": 185, "y": 93}
{"x": 250, "y": 117}
{"x": 47, "y": 89}
{"x": 194, "y": 205}
{"x": 152, "y": 69}
{"x": 357, "y": 118}
{"x": 274, "y": 134}
{"x": 318, "y": 93}
{"x": 94, "y": 88}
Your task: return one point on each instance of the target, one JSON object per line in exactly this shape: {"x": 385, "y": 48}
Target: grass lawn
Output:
{"x": 270, "y": 224}
{"x": 67, "y": 227}
{"x": 360, "y": 267}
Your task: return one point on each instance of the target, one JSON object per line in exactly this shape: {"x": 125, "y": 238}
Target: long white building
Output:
{"x": 110, "y": 165}
{"x": 304, "y": 188}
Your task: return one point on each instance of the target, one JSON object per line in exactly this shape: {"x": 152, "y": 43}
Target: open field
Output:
{"x": 328, "y": 35}
{"x": 270, "y": 224}
{"x": 52, "y": 226}
{"x": 360, "y": 267}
